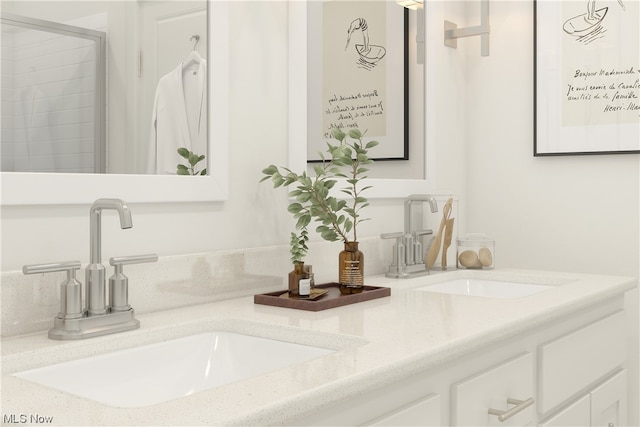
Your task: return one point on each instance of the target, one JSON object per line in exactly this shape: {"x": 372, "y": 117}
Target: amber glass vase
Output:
{"x": 351, "y": 269}
{"x": 298, "y": 273}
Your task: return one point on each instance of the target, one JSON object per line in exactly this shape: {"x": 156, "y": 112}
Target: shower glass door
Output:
{"x": 53, "y": 97}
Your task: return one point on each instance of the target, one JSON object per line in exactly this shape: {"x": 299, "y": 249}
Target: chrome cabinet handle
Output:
{"x": 520, "y": 406}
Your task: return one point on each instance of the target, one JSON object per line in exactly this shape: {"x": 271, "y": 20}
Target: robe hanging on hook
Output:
{"x": 452, "y": 32}
{"x": 195, "y": 37}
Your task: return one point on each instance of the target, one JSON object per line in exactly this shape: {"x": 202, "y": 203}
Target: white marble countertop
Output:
{"x": 377, "y": 342}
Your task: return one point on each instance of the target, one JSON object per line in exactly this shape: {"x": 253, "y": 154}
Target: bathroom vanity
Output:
{"x": 569, "y": 373}
{"x": 418, "y": 357}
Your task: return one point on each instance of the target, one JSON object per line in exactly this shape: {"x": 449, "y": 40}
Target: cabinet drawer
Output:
{"x": 424, "y": 412}
{"x": 577, "y": 414}
{"x": 574, "y": 361}
{"x": 472, "y": 397}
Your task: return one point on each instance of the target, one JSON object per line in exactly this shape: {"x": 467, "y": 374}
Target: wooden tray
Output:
{"x": 333, "y": 298}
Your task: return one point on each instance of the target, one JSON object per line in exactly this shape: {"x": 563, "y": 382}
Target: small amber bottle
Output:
{"x": 351, "y": 269}
{"x": 299, "y": 273}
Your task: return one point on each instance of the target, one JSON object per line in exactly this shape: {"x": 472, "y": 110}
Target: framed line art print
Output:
{"x": 358, "y": 74}
{"x": 587, "y": 77}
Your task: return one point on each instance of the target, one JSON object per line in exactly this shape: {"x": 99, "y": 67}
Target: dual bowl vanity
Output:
{"x": 499, "y": 347}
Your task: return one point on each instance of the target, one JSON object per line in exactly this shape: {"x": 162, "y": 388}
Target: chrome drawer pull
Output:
{"x": 520, "y": 406}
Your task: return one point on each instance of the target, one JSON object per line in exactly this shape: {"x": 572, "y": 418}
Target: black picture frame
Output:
{"x": 578, "y": 108}
{"x": 316, "y": 142}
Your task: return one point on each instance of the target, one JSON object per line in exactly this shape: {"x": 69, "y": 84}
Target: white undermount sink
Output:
{"x": 485, "y": 288}
{"x": 164, "y": 371}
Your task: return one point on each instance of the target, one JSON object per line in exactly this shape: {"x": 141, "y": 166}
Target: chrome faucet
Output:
{"x": 408, "y": 256}
{"x": 95, "y": 272}
{"x": 413, "y": 234}
{"x": 98, "y": 318}
{"x": 433, "y": 204}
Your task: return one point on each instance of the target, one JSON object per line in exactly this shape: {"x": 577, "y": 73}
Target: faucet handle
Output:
{"x": 69, "y": 266}
{"x": 398, "y": 260}
{"x": 133, "y": 259}
{"x": 423, "y": 233}
{"x": 70, "y": 289}
{"x": 396, "y": 235}
{"x": 418, "y": 256}
{"x": 119, "y": 283}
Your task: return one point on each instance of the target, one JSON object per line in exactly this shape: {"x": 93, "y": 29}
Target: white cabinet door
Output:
{"x": 577, "y": 414}
{"x": 609, "y": 402}
{"x": 424, "y": 412}
{"x": 473, "y": 397}
{"x": 575, "y": 361}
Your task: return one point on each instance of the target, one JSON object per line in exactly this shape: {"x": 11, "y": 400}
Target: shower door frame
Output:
{"x": 100, "y": 40}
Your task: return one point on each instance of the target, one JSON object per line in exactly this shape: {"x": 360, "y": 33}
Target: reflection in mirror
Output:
{"x": 126, "y": 157}
{"x": 53, "y": 91}
{"x": 56, "y": 79}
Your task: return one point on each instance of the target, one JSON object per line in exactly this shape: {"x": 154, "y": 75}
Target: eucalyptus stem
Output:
{"x": 355, "y": 204}
{"x": 312, "y": 198}
{"x": 334, "y": 222}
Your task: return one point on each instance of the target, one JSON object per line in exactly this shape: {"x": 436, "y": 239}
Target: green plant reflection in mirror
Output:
{"x": 192, "y": 160}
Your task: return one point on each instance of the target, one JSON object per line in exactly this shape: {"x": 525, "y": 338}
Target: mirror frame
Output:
{"x": 20, "y": 188}
{"x": 381, "y": 188}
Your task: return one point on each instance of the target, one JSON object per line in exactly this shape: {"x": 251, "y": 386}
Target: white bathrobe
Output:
{"x": 179, "y": 118}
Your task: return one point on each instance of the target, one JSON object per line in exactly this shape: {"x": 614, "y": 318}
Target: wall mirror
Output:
{"x": 145, "y": 41}
{"x": 390, "y": 178}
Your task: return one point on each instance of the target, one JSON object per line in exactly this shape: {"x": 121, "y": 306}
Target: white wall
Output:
{"x": 564, "y": 213}
{"x": 559, "y": 213}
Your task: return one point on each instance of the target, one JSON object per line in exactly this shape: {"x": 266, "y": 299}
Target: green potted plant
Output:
{"x": 298, "y": 249}
{"x": 298, "y": 246}
{"x": 338, "y": 218}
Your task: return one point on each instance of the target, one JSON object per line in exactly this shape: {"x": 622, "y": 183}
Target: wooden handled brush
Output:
{"x": 434, "y": 249}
